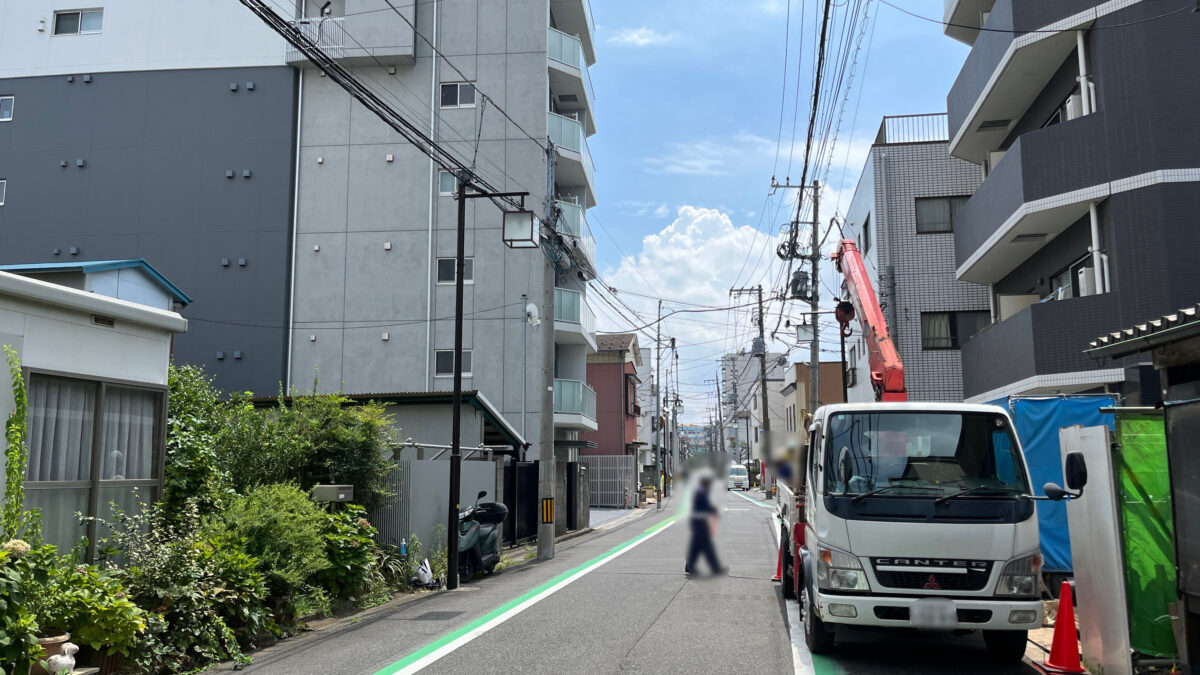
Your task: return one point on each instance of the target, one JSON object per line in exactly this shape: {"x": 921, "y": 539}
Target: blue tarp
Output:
{"x": 1038, "y": 420}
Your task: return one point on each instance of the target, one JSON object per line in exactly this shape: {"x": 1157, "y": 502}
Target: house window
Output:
{"x": 3, "y": 188}
{"x": 949, "y": 330}
{"x": 6, "y": 108}
{"x": 444, "y": 363}
{"x": 91, "y": 444}
{"x": 458, "y": 95}
{"x": 78, "y": 21}
{"x": 446, "y": 267}
{"x": 447, "y": 183}
{"x": 937, "y": 214}
{"x": 866, "y": 235}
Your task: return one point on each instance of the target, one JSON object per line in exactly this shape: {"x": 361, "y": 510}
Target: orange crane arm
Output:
{"x": 887, "y": 371}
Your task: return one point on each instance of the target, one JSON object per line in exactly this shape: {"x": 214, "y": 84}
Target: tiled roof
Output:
{"x": 615, "y": 342}
{"x": 1145, "y": 336}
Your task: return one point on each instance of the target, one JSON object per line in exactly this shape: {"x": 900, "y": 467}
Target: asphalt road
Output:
{"x": 618, "y": 602}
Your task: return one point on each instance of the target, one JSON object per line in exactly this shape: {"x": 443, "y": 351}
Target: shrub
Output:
{"x": 14, "y": 520}
{"x": 350, "y": 549}
{"x": 194, "y": 423}
{"x": 283, "y": 530}
{"x": 261, "y": 447}
{"x": 438, "y": 559}
{"x": 18, "y": 629}
{"x": 202, "y": 595}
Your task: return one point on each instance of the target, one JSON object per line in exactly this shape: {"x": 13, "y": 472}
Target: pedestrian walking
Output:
{"x": 702, "y": 519}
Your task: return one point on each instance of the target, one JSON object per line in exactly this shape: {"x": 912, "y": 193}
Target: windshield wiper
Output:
{"x": 977, "y": 488}
{"x": 859, "y": 497}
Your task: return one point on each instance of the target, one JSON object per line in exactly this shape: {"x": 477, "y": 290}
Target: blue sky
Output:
{"x": 688, "y": 113}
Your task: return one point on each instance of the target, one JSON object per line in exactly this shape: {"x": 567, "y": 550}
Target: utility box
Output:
{"x": 333, "y": 493}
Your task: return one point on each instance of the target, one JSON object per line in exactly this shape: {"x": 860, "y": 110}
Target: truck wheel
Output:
{"x": 819, "y": 637}
{"x": 789, "y": 575}
{"x": 1006, "y": 646}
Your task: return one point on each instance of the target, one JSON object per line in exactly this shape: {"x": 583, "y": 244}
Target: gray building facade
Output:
{"x": 903, "y": 216}
{"x": 1087, "y": 216}
{"x": 741, "y": 401}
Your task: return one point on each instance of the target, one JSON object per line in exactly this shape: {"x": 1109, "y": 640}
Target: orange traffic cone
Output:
{"x": 779, "y": 566}
{"x": 1064, "y": 650}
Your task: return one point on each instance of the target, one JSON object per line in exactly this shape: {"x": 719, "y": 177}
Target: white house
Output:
{"x": 96, "y": 372}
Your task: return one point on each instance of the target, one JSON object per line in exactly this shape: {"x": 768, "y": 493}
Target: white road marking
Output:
{"x": 801, "y": 658}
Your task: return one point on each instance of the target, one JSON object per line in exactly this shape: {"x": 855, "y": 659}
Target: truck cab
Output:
{"x": 913, "y": 515}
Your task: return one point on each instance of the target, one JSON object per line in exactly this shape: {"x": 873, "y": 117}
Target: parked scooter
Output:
{"x": 479, "y": 537}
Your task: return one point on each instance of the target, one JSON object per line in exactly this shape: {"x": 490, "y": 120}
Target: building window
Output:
{"x": 6, "y": 108}
{"x": 444, "y": 363}
{"x": 91, "y": 444}
{"x": 866, "y": 235}
{"x": 949, "y": 330}
{"x": 78, "y": 21}
{"x": 458, "y": 95}
{"x": 447, "y": 266}
{"x": 3, "y": 188}
{"x": 937, "y": 214}
{"x": 447, "y": 183}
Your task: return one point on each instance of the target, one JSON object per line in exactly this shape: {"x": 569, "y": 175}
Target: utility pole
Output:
{"x": 547, "y": 473}
{"x": 658, "y": 420}
{"x": 760, "y": 348}
{"x": 720, "y": 424}
{"x": 814, "y": 354}
{"x": 673, "y": 438}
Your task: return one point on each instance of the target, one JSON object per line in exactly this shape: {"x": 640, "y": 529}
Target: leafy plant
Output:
{"x": 350, "y": 549}
{"x": 194, "y": 423}
{"x": 13, "y": 517}
{"x": 283, "y": 530}
{"x": 18, "y": 629}
{"x": 438, "y": 559}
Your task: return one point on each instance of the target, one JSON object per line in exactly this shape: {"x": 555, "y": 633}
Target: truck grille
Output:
{"x": 975, "y": 579}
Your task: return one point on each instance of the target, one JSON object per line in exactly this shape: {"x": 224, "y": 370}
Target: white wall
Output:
{"x": 136, "y": 35}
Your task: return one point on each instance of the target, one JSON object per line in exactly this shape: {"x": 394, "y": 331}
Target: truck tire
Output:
{"x": 788, "y": 570}
{"x": 1006, "y": 646}
{"x": 817, "y": 636}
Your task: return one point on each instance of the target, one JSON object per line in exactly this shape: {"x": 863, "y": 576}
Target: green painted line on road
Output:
{"x": 754, "y": 501}
{"x": 513, "y": 604}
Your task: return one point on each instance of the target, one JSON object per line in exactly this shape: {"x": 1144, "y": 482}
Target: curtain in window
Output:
{"x": 61, "y": 419}
{"x": 933, "y": 215}
{"x": 127, "y": 434}
{"x": 935, "y": 331}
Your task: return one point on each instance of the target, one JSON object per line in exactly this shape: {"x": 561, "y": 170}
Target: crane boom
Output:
{"x": 887, "y": 371}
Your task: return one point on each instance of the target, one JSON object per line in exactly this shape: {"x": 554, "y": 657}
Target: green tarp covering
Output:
{"x": 1144, "y": 488}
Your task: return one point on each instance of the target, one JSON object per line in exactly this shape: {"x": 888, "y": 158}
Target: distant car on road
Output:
{"x": 739, "y": 478}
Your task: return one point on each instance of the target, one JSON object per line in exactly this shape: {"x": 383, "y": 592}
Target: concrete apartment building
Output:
{"x": 311, "y": 238}
{"x": 1087, "y": 216}
{"x": 904, "y": 215}
{"x": 741, "y": 404}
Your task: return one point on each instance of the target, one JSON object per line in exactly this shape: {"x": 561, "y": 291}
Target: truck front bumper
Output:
{"x": 893, "y": 612}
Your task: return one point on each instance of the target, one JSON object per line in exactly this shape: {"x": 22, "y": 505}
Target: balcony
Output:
{"x": 1005, "y": 72}
{"x": 575, "y": 405}
{"x": 575, "y": 168}
{"x": 574, "y": 17}
{"x": 574, "y": 228}
{"x": 962, "y": 18}
{"x": 1039, "y": 350}
{"x": 1041, "y": 186}
{"x": 570, "y": 83}
{"x": 574, "y": 322}
{"x": 371, "y": 33}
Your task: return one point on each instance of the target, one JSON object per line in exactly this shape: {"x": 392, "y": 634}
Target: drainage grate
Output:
{"x": 435, "y": 616}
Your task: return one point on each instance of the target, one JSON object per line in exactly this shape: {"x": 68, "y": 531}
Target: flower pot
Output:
{"x": 97, "y": 658}
{"x": 53, "y": 646}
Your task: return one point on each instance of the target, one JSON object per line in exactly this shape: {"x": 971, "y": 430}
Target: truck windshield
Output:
{"x": 926, "y": 454}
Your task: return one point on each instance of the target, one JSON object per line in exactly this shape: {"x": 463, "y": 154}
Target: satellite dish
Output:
{"x": 531, "y": 315}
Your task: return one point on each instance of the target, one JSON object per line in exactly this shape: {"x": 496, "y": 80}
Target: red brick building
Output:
{"x": 611, "y": 371}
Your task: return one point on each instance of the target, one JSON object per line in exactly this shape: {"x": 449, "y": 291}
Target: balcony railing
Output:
{"x": 568, "y": 50}
{"x": 568, "y": 133}
{"x": 570, "y": 307}
{"x": 574, "y": 223}
{"x": 328, "y": 33}
{"x": 572, "y": 397}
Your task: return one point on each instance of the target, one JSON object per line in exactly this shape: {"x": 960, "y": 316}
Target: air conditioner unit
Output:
{"x": 1074, "y": 106}
{"x": 1086, "y": 283}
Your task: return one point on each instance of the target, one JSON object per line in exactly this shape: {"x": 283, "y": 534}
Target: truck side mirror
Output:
{"x": 845, "y": 468}
{"x": 1054, "y": 492}
{"x": 1076, "y": 471}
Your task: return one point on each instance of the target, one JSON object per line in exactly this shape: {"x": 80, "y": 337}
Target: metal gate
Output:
{"x": 613, "y": 479}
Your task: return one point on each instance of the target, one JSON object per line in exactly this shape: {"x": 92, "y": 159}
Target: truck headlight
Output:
{"x": 838, "y": 570}
{"x": 1020, "y": 576}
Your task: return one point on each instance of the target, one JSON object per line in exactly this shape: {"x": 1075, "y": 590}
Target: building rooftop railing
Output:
{"x": 923, "y": 128}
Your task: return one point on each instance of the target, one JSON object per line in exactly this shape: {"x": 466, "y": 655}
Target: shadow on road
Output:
{"x": 865, "y": 651}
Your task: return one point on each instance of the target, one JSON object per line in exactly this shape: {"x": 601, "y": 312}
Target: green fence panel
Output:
{"x": 1144, "y": 488}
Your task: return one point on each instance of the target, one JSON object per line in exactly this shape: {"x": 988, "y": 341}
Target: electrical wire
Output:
{"x": 1189, "y": 6}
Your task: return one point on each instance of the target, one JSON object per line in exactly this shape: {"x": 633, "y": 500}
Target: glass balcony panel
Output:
{"x": 573, "y": 397}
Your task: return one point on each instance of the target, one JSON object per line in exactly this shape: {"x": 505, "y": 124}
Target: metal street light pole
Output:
{"x": 453, "y": 504}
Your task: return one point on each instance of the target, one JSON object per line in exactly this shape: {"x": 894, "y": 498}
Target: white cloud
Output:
{"x": 712, "y": 156}
{"x": 662, "y": 211}
{"x": 641, "y": 37}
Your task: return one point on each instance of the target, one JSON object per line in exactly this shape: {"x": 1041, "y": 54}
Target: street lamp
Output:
{"x": 524, "y": 235}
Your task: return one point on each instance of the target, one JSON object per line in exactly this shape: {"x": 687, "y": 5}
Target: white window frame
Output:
{"x": 468, "y": 266}
{"x": 12, "y": 109}
{"x": 3, "y": 189}
{"x": 442, "y": 172}
{"x": 91, "y": 10}
{"x": 468, "y": 359}
{"x": 458, "y": 95}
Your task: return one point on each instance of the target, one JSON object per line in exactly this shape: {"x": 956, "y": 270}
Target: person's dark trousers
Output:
{"x": 701, "y": 544}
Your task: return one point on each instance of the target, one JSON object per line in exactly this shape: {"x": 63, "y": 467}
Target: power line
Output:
{"x": 1190, "y": 5}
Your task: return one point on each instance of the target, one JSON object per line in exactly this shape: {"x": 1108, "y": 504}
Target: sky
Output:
{"x": 688, "y": 112}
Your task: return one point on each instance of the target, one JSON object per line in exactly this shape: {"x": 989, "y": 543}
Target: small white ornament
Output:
{"x": 63, "y": 662}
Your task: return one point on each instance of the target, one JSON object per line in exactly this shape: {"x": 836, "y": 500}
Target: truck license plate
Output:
{"x": 933, "y": 614}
